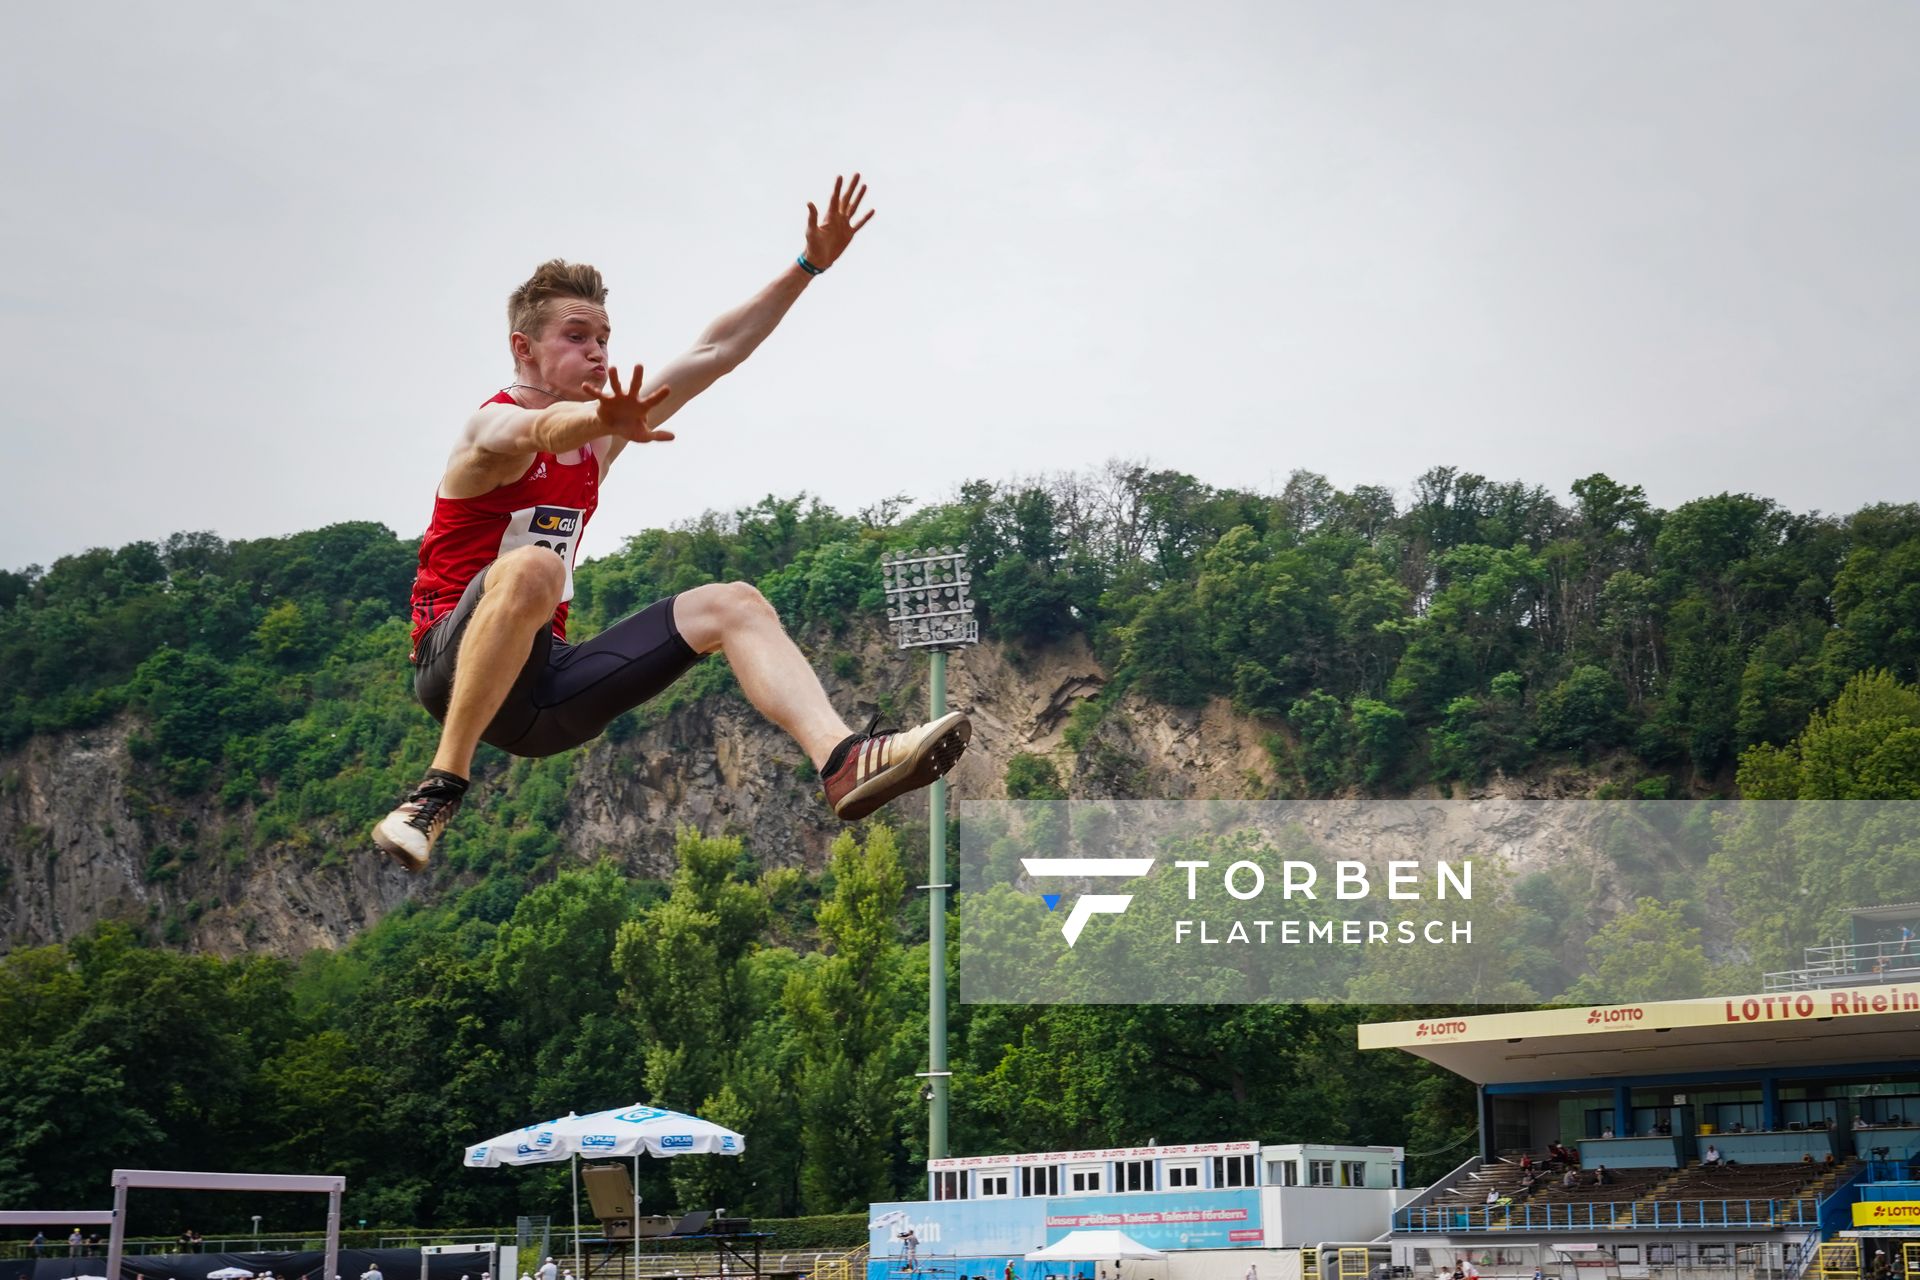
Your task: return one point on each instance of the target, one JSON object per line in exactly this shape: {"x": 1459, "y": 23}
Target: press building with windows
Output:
{"x": 1216, "y": 1209}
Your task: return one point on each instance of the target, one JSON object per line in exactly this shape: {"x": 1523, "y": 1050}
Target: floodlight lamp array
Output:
{"x": 929, "y": 598}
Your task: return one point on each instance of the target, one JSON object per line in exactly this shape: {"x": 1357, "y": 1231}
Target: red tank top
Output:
{"x": 548, "y": 506}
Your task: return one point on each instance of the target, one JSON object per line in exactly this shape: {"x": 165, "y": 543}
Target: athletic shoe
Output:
{"x": 870, "y": 768}
{"x": 408, "y": 834}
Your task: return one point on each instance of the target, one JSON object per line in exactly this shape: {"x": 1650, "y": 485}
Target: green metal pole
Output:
{"x": 937, "y": 936}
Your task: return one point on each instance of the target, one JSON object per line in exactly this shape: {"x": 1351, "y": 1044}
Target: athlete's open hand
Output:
{"x": 625, "y": 412}
{"x": 828, "y": 239}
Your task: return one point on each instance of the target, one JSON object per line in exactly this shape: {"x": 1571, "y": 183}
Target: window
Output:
{"x": 1319, "y": 1173}
{"x": 1396, "y": 1175}
{"x": 1628, "y": 1253}
{"x": 1182, "y": 1175}
{"x": 1040, "y": 1180}
{"x": 1284, "y": 1173}
{"x": 1660, "y": 1254}
{"x": 1353, "y": 1173}
{"x": 993, "y": 1184}
{"x": 1713, "y": 1255}
{"x": 1746, "y": 1255}
{"x": 1422, "y": 1258}
{"x": 950, "y": 1185}
{"x": 1085, "y": 1179}
{"x": 1233, "y": 1171}
{"x": 1133, "y": 1175}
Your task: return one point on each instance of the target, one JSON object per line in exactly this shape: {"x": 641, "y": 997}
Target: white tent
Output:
{"x": 230, "y": 1273}
{"x": 1094, "y": 1246}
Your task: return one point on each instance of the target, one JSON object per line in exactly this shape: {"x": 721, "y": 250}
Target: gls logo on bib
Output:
{"x": 560, "y": 522}
{"x": 555, "y": 528}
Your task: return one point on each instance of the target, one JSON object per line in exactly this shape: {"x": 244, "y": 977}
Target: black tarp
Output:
{"x": 394, "y": 1264}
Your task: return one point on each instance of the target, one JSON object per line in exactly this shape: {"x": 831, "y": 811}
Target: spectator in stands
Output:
{"x": 372, "y": 1272}
{"x": 1607, "y": 1132}
{"x": 549, "y": 1271}
{"x": 1601, "y": 1177}
{"x": 73, "y": 1244}
{"x": 1827, "y": 1161}
{"x": 39, "y": 1244}
{"x": 1712, "y": 1156}
{"x": 1860, "y": 1122}
{"x": 1009, "y": 1269}
{"x": 1571, "y": 1178}
{"x": 1806, "y": 1157}
{"x": 1526, "y": 1162}
{"x": 1882, "y": 1268}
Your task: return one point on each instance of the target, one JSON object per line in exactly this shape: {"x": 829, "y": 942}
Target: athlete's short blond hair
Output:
{"x": 555, "y": 278}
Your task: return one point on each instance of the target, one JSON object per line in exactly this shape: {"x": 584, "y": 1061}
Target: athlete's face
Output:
{"x": 571, "y": 348}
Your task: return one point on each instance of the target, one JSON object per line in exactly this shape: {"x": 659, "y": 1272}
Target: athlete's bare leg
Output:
{"x": 521, "y": 592}
{"x": 858, "y": 772}
{"x": 735, "y": 619}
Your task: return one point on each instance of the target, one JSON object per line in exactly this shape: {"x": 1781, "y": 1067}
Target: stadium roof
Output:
{"x": 1730, "y": 1034}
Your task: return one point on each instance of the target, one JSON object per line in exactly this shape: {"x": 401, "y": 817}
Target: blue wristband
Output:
{"x": 808, "y": 267}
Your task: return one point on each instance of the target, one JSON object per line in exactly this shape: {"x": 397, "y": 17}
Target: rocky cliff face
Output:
{"x": 80, "y": 828}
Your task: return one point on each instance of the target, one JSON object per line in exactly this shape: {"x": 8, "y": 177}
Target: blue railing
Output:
{"x": 1796, "y": 1213}
{"x": 1836, "y": 1209}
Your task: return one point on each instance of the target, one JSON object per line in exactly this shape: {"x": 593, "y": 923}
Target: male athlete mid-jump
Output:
{"x": 490, "y": 652}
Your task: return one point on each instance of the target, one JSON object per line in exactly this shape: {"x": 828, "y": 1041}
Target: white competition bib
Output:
{"x": 555, "y": 528}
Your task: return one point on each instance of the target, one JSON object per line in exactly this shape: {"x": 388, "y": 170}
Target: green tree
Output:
{"x": 1649, "y": 953}
{"x": 843, "y": 1004}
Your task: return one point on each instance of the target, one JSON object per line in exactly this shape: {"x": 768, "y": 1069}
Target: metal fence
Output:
{"x": 1596, "y": 1215}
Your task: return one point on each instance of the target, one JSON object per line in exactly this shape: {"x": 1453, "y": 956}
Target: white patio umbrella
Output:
{"x": 621, "y": 1131}
{"x": 230, "y": 1273}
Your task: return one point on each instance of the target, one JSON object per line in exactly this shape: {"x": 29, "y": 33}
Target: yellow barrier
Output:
{"x": 1838, "y": 1260}
{"x": 851, "y": 1265}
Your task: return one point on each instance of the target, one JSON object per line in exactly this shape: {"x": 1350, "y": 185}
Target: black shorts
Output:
{"x": 566, "y": 694}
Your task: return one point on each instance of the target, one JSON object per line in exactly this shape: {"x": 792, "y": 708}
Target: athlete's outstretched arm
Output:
{"x": 502, "y": 438}
{"x": 734, "y": 335}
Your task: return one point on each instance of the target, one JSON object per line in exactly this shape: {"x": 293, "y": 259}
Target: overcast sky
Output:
{"x": 256, "y": 256}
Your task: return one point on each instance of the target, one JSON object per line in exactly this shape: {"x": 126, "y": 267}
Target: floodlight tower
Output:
{"x": 930, "y": 606}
